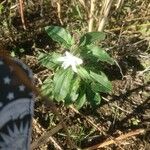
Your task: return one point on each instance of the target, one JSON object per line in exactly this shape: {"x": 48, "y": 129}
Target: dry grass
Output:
{"x": 127, "y": 26}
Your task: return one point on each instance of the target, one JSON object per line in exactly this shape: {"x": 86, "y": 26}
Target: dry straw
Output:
{"x": 104, "y": 14}
{"x": 91, "y": 15}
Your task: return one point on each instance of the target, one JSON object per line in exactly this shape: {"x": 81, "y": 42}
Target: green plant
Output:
{"x": 77, "y": 76}
{"x": 134, "y": 121}
{"x": 17, "y": 51}
{"x": 1, "y": 8}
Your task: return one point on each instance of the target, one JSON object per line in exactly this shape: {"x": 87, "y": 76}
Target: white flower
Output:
{"x": 70, "y": 60}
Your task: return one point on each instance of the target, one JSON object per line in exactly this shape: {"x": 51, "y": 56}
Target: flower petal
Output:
{"x": 61, "y": 59}
{"x": 70, "y": 60}
{"x": 65, "y": 65}
{"x": 74, "y": 68}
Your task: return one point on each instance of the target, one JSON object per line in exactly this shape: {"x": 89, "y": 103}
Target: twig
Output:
{"x": 139, "y": 18}
{"x": 119, "y": 4}
{"x": 104, "y": 14}
{"x": 46, "y": 136}
{"x": 82, "y": 2}
{"x": 128, "y": 27}
{"x": 3, "y": 2}
{"x": 47, "y": 102}
{"x": 37, "y": 126}
{"x": 139, "y": 42}
{"x": 86, "y": 118}
{"x": 145, "y": 70}
{"x": 21, "y": 13}
{"x": 58, "y": 3}
{"x": 14, "y": 6}
{"x": 56, "y": 145}
{"x": 41, "y": 8}
{"x": 119, "y": 68}
{"x": 116, "y": 106}
{"x": 91, "y": 16}
{"x": 118, "y": 139}
{"x": 40, "y": 131}
{"x": 91, "y": 122}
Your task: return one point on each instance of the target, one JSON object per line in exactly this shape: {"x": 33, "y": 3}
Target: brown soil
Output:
{"x": 126, "y": 109}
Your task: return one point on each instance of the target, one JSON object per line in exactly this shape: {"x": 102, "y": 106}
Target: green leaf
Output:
{"x": 47, "y": 87}
{"x": 96, "y": 87}
{"x": 73, "y": 93}
{"x": 83, "y": 73}
{"x": 91, "y": 37}
{"x": 93, "y": 97}
{"x": 62, "y": 81}
{"x": 99, "y": 53}
{"x": 1, "y": 8}
{"x": 104, "y": 84}
{"x": 81, "y": 99}
{"x": 60, "y": 35}
{"x": 97, "y": 99}
{"x": 49, "y": 60}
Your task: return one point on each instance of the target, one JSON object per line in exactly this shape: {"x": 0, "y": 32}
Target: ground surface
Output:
{"x": 126, "y": 109}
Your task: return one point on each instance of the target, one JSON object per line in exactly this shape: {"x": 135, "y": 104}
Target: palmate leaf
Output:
{"x": 49, "y": 60}
{"x": 62, "y": 83}
{"x": 91, "y": 37}
{"x": 99, "y": 53}
{"x": 60, "y": 35}
{"x": 102, "y": 84}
